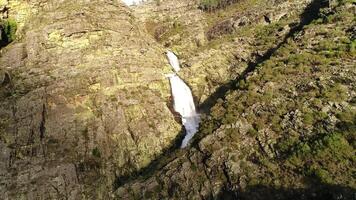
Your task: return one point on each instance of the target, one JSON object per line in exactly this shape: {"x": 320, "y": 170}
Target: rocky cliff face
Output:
{"x": 84, "y": 109}
{"x": 208, "y": 44}
{"x": 284, "y": 128}
{"x": 83, "y": 100}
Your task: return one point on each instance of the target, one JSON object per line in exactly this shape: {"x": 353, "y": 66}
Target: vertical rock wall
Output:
{"x": 86, "y": 100}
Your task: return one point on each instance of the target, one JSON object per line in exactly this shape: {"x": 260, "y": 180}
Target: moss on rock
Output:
{"x": 8, "y": 30}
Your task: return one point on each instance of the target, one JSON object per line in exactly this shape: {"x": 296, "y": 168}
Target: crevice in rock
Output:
{"x": 43, "y": 122}
{"x": 226, "y": 174}
{"x": 6, "y": 80}
{"x": 132, "y": 135}
{"x": 228, "y": 187}
{"x": 267, "y": 19}
{"x": 56, "y": 189}
{"x": 260, "y": 144}
{"x": 205, "y": 167}
{"x": 30, "y": 138}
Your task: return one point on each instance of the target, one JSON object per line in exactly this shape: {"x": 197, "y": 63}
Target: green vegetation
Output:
{"x": 336, "y": 93}
{"x": 158, "y": 2}
{"x": 296, "y": 95}
{"x": 8, "y": 32}
{"x": 211, "y": 5}
{"x": 327, "y": 157}
{"x": 163, "y": 31}
{"x": 175, "y": 29}
{"x": 96, "y": 152}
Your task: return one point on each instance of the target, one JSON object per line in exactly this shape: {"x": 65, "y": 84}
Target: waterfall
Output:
{"x": 183, "y": 102}
{"x": 173, "y": 60}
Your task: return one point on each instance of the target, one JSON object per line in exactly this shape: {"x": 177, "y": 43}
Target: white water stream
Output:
{"x": 183, "y": 101}
{"x": 173, "y": 60}
{"x": 182, "y": 95}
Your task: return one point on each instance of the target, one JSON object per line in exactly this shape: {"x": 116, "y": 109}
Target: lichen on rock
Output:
{"x": 78, "y": 90}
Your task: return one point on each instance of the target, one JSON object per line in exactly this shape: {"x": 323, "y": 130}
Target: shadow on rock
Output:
{"x": 310, "y": 13}
{"x": 172, "y": 152}
{"x": 168, "y": 155}
{"x": 317, "y": 191}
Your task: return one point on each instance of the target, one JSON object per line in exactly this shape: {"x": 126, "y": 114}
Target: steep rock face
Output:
{"x": 173, "y": 22}
{"x": 215, "y": 47}
{"x": 83, "y": 100}
{"x": 286, "y": 130}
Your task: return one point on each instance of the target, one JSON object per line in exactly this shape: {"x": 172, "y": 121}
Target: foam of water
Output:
{"x": 183, "y": 101}
{"x": 173, "y": 60}
{"x": 132, "y": 2}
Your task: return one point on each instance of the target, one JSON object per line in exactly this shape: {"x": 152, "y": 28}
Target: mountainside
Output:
{"x": 86, "y": 110}
{"x": 85, "y": 101}
{"x": 284, "y": 128}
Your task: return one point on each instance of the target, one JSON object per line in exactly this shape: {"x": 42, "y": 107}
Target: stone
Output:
{"x": 80, "y": 101}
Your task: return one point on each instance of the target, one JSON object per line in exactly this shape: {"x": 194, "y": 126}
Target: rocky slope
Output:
{"x": 85, "y": 109}
{"x": 83, "y": 100}
{"x": 208, "y": 43}
{"x": 283, "y": 129}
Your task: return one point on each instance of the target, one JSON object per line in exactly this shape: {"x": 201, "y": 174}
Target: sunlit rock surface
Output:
{"x": 83, "y": 100}
{"x": 86, "y": 104}
{"x": 280, "y": 80}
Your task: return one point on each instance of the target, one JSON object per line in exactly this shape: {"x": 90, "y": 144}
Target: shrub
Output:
{"x": 9, "y": 28}
{"x": 321, "y": 174}
{"x": 211, "y": 5}
{"x": 158, "y": 2}
{"x": 336, "y": 93}
{"x": 96, "y": 152}
{"x": 252, "y": 132}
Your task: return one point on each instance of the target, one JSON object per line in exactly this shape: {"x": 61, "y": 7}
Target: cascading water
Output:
{"x": 173, "y": 60}
{"x": 183, "y": 102}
